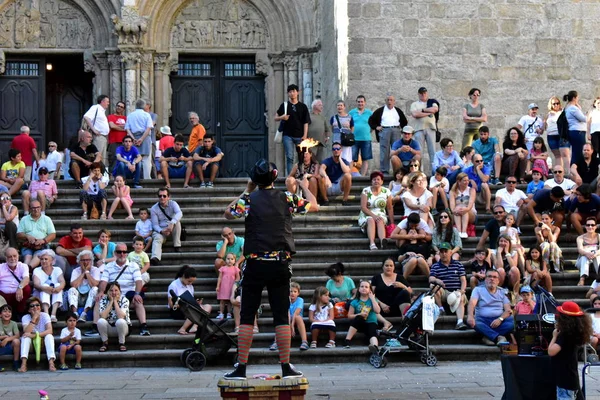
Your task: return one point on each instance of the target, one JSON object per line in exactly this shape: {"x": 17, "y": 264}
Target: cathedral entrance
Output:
{"x": 229, "y": 98}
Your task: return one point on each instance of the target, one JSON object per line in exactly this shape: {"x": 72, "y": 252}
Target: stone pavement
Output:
{"x": 349, "y": 381}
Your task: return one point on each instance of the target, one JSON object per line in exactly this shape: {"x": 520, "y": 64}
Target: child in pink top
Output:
{"x": 526, "y": 305}
{"x": 122, "y": 197}
{"x": 228, "y": 274}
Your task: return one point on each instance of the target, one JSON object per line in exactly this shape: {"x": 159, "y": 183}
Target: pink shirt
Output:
{"x": 8, "y": 283}
{"x": 523, "y": 308}
{"x": 49, "y": 188}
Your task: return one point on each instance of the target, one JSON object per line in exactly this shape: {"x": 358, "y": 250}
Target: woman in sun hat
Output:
{"x": 573, "y": 329}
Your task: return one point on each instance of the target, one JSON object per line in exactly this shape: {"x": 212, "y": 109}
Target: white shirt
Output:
{"x": 529, "y": 126}
{"x": 509, "y": 200}
{"x": 178, "y": 287}
{"x": 321, "y": 315}
{"x": 419, "y": 124}
{"x": 53, "y": 158}
{"x": 434, "y": 182}
{"x": 94, "y": 272}
{"x": 566, "y": 184}
{"x": 595, "y": 123}
{"x": 422, "y": 200}
{"x": 94, "y": 187}
{"x": 422, "y": 225}
{"x": 127, "y": 279}
{"x": 65, "y": 332}
{"x": 390, "y": 117}
{"x": 98, "y": 118}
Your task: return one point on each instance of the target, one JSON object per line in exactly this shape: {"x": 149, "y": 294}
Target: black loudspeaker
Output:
{"x": 533, "y": 334}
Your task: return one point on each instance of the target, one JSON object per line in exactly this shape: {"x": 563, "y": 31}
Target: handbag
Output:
{"x": 85, "y": 126}
{"x": 183, "y": 233}
{"x": 279, "y": 133}
{"x": 347, "y": 138}
{"x": 389, "y": 229}
{"x": 4, "y": 244}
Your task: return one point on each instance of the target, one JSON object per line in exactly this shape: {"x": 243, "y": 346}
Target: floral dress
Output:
{"x": 376, "y": 203}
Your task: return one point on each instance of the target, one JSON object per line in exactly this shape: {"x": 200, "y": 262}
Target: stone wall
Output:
{"x": 516, "y": 52}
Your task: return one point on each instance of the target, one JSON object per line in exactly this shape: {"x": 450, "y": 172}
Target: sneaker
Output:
{"x": 138, "y": 187}
{"x": 288, "y": 371}
{"x": 434, "y": 212}
{"x": 487, "y": 341}
{"x": 255, "y": 329}
{"x": 461, "y": 326}
{"x": 63, "y": 367}
{"x": 346, "y": 344}
{"x": 228, "y": 315}
{"x": 76, "y": 314}
{"x": 493, "y": 180}
{"x": 330, "y": 344}
{"x": 209, "y": 185}
{"x": 273, "y": 347}
{"x": 442, "y": 311}
{"x": 239, "y": 373}
{"x": 53, "y": 319}
{"x": 501, "y": 340}
{"x": 464, "y": 235}
{"x": 202, "y": 185}
{"x": 84, "y": 216}
{"x": 374, "y": 349}
{"x": 304, "y": 346}
{"x": 78, "y": 366}
{"x": 82, "y": 317}
{"x": 519, "y": 230}
{"x": 345, "y": 202}
{"x": 220, "y": 316}
{"x": 144, "y": 332}
{"x": 154, "y": 261}
{"x": 313, "y": 345}
{"x": 92, "y": 333}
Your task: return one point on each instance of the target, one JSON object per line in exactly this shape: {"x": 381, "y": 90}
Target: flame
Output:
{"x": 307, "y": 144}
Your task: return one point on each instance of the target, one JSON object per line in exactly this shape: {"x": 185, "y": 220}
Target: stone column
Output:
{"x": 307, "y": 92}
{"x": 2, "y": 62}
{"x": 161, "y": 102}
{"x": 316, "y": 76}
{"x": 90, "y": 65}
{"x": 276, "y": 150}
{"x": 130, "y": 59}
{"x": 102, "y": 62}
{"x": 114, "y": 61}
{"x": 291, "y": 64}
{"x": 146, "y": 77}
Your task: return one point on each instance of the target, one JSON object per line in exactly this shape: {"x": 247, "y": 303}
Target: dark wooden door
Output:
{"x": 22, "y": 101}
{"x": 230, "y": 101}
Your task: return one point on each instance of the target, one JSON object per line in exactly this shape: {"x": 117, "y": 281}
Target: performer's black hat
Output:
{"x": 263, "y": 173}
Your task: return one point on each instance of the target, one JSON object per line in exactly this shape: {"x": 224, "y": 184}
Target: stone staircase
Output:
{"x": 323, "y": 238}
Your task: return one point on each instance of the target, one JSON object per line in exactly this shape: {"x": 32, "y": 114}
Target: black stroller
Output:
{"x": 410, "y": 333}
{"x": 210, "y": 341}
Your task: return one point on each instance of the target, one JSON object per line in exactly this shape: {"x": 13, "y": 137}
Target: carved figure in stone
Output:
{"x": 261, "y": 64}
{"x": 2, "y": 62}
{"x": 131, "y": 27}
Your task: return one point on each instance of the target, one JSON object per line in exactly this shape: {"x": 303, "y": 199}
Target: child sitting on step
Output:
{"x": 139, "y": 256}
{"x": 70, "y": 343}
{"x": 143, "y": 227}
{"x": 320, "y": 314}
{"x": 296, "y": 317}
{"x": 363, "y": 316}
{"x": 122, "y": 194}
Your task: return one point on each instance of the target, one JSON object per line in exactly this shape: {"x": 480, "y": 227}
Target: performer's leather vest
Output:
{"x": 269, "y": 223}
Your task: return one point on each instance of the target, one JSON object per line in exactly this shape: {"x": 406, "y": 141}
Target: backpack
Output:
{"x": 563, "y": 125}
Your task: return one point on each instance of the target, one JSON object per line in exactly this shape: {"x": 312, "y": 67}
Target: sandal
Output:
{"x": 23, "y": 368}
{"x": 273, "y": 347}
{"x": 304, "y": 346}
{"x": 63, "y": 367}
{"x": 373, "y": 246}
{"x": 182, "y": 332}
{"x": 130, "y": 217}
{"x": 313, "y": 344}
{"x": 122, "y": 347}
{"x": 103, "y": 216}
{"x": 84, "y": 216}
{"x": 330, "y": 344}
{"x": 51, "y": 366}
{"x": 104, "y": 347}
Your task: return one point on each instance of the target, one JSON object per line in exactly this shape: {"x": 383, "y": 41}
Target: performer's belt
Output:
{"x": 271, "y": 256}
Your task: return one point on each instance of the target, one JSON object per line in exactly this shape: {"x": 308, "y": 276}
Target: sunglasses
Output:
{"x": 414, "y": 165}
{"x": 478, "y": 161}
{"x": 4, "y": 198}
{"x": 513, "y": 182}
{"x": 590, "y": 225}
{"x": 444, "y": 216}
{"x": 120, "y": 251}
{"x": 556, "y": 104}
{"x": 162, "y": 196}
{"x": 34, "y": 305}
{"x": 336, "y": 148}
{"x": 558, "y": 172}
{"x": 43, "y": 173}
{"x": 498, "y": 212}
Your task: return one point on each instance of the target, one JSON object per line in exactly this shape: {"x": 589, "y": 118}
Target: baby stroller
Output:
{"x": 210, "y": 341}
{"x": 411, "y": 334}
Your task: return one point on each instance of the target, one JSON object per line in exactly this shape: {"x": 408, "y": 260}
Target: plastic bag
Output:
{"x": 339, "y": 310}
{"x": 431, "y": 312}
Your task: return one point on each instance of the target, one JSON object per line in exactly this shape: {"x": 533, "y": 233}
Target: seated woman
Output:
{"x": 417, "y": 198}
{"x": 514, "y": 161}
{"x": 309, "y": 168}
{"x": 595, "y": 339}
{"x": 376, "y": 209}
{"x": 341, "y": 288}
{"x": 114, "y": 317}
{"x": 48, "y": 283}
{"x": 36, "y": 323}
{"x": 506, "y": 262}
{"x": 445, "y": 232}
{"x": 183, "y": 282}
{"x": 588, "y": 247}
{"x": 391, "y": 289}
{"x": 9, "y": 219}
{"x": 462, "y": 204}
{"x": 547, "y": 237}
{"x": 104, "y": 251}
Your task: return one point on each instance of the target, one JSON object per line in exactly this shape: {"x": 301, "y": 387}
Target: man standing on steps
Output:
{"x": 97, "y": 121}
{"x": 296, "y": 118}
{"x": 268, "y": 248}
{"x": 425, "y": 124}
{"x": 387, "y": 122}
{"x": 166, "y": 221}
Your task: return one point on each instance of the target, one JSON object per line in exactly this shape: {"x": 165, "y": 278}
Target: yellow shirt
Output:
{"x": 12, "y": 170}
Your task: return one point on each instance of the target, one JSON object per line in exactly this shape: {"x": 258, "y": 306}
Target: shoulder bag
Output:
{"x": 347, "y": 138}
{"x": 279, "y": 133}
{"x": 85, "y": 126}
{"x": 183, "y": 235}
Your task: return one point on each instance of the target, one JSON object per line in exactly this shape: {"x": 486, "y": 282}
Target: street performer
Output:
{"x": 268, "y": 248}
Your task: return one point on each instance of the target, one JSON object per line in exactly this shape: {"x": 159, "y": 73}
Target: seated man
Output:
{"x": 84, "y": 285}
{"x": 451, "y": 276}
{"x": 336, "y": 176}
{"x": 43, "y": 189}
{"x": 35, "y": 232}
{"x": 14, "y": 282}
{"x": 479, "y": 175}
{"x": 489, "y": 148}
{"x": 12, "y": 174}
{"x": 83, "y": 154}
{"x": 230, "y": 243}
{"x": 551, "y": 200}
{"x": 176, "y": 162}
{"x": 413, "y": 237}
{"x": 406, "y": 149}
{"x": 585, "y": 204}
{"x": 492, "y": 229}
{"x": 587, "y": 168}
{"x": 207, "y": 160}
{"x": 130, "y": 278}
{"x": 128, "y": 162}
{"x": 559, "y": 180}
{"x": 512, "y": 199}
{"x": 68, "y": 249}
{"x": 166, "y": 221}
{"x": 489, "y": 311}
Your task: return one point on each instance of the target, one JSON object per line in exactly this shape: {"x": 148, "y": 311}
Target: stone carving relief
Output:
{"x": 2, "y": 62}
{"x": 219, "y": 23}
{"x": 261, "y": 63}
{"x": 161, "y": 61}
{"x": 44, "y": 24}
{"x": 130, "y": 27}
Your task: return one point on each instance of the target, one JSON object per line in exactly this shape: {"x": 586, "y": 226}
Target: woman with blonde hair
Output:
{"x": 462, "y": 204}
{"x": 562, "y": 154}
{"x": 417, "y": 198}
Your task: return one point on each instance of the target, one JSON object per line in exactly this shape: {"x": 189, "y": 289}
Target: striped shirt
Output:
{"x": 127, "y": 279}
{"x": 450, "y": 274}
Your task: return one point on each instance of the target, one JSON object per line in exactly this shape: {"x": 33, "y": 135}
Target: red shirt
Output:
{"x": 25, "y": 144}
{"x": 165, "y": 142}
{"x": 67, "y": 243}
{"x": 115, "y": 136}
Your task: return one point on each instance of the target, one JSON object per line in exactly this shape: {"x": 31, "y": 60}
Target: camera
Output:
{"x": 540, "y": 224}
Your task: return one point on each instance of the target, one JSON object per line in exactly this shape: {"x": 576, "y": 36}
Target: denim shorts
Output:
{"x": 565, "y": 394}
{"x": 554, "y": 142}
{"x": 364, "y": 148}
{"x": 6, "y": 350}
{"x": 177, "y": 172}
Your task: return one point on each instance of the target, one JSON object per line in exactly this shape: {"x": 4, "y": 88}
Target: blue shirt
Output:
{"x": 362, "y": 130}
{"x": 589, "y": 207}
{"x": 406, "y": 156}
{"x": 441, "y": 159}
{"x": 298, "y": 304}
{"x": 334, "y": 170}
{"x": 472, "y": 174}
{"x": 487, "y": 149}
{"x": 532, "y": 187}
{"x": 450, "y": 274}
{"x": 138, "y": 121}
{"x": 127, "y": 155}
{"x": 576, "y": 119}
